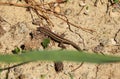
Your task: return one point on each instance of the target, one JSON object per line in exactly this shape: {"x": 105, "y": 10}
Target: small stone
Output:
{"x": 113, "y": 42}
{"x": 58, "y": 66}
{"x": 82, "y": 3}
{"x": 68, "y": 11}
{"x": 2, "y": 31}
{"x": 57, "y": 9}
{"x": 86, "y": 11}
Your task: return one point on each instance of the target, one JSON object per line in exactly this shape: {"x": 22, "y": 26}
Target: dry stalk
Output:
{"x": 41, "y": 11}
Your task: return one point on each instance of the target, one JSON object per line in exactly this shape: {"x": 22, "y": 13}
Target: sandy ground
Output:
{"x": 16, "y": 26}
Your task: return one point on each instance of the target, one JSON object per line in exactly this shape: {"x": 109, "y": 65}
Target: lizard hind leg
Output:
{"x": 61, "y": 45}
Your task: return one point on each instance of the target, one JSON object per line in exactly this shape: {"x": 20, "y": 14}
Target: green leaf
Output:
{"x": 116, "y": 1}
{"x": 1, "y": 70}
{"x": 16, "y": 50}
{"x": 71, "y": 76}
{"x": 74, "y": 56}
{"x": 45, "y": 42}
{"x": 87, "y": 7}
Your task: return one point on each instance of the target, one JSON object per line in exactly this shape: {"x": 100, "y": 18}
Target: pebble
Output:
{"x": 82, "y": 3}
{"x": 2, "y": 31}
{"x": 68, "y": 11}
{"x": 113, "y": 41}
{"x": 57, "y": 9}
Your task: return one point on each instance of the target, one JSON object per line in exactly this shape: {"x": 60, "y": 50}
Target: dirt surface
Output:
{"x": 103, "y": 18}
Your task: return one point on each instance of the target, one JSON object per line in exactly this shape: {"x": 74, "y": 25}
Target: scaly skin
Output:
{"x": 57, "y": 38}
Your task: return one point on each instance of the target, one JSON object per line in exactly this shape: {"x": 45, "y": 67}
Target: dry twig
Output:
{"x": 43, "y": 12}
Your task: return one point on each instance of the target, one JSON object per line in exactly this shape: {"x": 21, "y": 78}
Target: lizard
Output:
{"x": 59, "y": 39}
